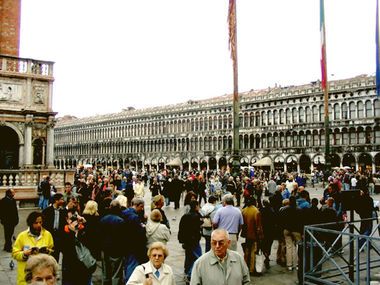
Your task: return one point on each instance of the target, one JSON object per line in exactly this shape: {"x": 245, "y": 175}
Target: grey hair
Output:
{"x": 222, "y": 231}
{"x": 137, "y": 201}
{"x": 228, "y": 199}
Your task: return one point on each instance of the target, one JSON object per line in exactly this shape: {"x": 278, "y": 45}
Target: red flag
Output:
{"x": 323, "y": 45}
{"x": 232, "y": 28}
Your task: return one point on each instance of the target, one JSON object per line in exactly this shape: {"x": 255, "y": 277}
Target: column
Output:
{"x": 28, "y": 155}
{"x": 21, "y": 155}
{"x": 50, "y": 143}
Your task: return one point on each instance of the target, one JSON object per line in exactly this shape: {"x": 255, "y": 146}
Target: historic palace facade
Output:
{"x": 285, "y": 124}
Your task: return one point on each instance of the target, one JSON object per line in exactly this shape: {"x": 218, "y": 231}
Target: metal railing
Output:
{"x": 333, "y": 256}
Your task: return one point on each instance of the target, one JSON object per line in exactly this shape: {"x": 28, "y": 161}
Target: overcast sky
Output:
{"x": 113, "y": 54}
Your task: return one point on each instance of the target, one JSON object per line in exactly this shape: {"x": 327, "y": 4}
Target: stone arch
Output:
{"x": 291, "y": 163}
{"x": 349, "y": 160}
{"x": 18, "y": 132}
{"x": 305, "y": 163}
{"x": 278, "y": 163}
{"x": 212, "y": 163}
{"x": 244, "y": 161}
{"x": 9, "y": 148}
{"x": 365, "y": 162}
{"x": 38, "y": 146}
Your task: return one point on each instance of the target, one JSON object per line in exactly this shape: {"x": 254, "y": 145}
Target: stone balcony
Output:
{"x": 25, "y": 181}
{"x": 26, "y": 67}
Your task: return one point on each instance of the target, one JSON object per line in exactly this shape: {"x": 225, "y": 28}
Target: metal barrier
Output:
{"x": 325, "y": 259}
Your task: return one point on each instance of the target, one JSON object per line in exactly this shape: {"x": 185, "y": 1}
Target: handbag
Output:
{"x": 207, "y": 223}
{"x": 259, "y": 261}
{"x": 84, "y": 256}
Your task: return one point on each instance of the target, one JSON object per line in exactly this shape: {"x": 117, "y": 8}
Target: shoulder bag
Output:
{"x": 84, "y": 256}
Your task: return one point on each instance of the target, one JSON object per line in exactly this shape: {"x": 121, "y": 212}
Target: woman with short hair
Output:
{"x": 155, "y": 231}
{"x": 33, "y": 241}
{"x": 155, "y": 271}
{"x": 41, "y": 268}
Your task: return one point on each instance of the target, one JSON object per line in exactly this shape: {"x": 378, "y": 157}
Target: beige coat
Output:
{"x": 138, "y": 275}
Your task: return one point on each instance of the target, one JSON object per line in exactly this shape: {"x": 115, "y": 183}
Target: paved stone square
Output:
{"x": 275, "y": 275}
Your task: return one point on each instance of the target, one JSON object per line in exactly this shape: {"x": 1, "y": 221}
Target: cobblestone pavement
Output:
{"x": 275, "y": 275}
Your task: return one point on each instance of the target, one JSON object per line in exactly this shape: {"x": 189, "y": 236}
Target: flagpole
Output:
{"x": 235, "y": 102}
{"x": 377, "y": 50}
{"x": 325, "y": 88}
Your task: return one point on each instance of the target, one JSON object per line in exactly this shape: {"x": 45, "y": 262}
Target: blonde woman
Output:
{"x": 91, "y": 236}
{"x": 157, "y": 203}
{"x": 123, "y": 201}
{"x": 41, "y": 268}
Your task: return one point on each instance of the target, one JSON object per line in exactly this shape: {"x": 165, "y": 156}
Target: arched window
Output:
{"x": 321, "y": 113}
{"x": 308, "y": 114}
{"x": 294, "y": 116}
{"x": 315, "y": 114}
{"x": 352, "y": 108}
{"x": 368, "y": 109}
{"x": 302, "y": 114}
{"x": 282, "y": 116}
{"x": 288, "y": 116}
{"x": 336, "y": 111}
{"x": 377, "y": 107}
{"x": 270, "y": 118}
{"x": 344, "y": 111}
{"x": 263, "y": 118}
{"x": 275, "y": 116}
{"x": 360, "y": 110}
{"x": 257, "y": 119}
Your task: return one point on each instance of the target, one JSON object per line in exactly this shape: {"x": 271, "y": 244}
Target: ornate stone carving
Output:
{"x": 9, "y": 92}
{"x": 39, "y": 94}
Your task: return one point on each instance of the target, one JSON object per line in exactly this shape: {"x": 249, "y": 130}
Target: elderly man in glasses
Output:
{"x": 220, "y": 265}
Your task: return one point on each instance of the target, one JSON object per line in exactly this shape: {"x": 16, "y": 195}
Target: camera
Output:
{"x": 74, "y": 217}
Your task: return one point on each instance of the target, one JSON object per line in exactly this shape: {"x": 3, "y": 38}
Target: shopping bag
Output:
{"x": 259, "y": 261}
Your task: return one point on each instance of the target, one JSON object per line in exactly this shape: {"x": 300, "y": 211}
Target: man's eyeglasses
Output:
{"x": 218, "y": 242}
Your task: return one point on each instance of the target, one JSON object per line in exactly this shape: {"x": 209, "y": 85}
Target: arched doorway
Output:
{"x": 365, "y": 163}
{"x": 139, "y": 164}
{"x": 319, "y": 162}
{"x": 185, "y": 165}
{"x": 291, "y": 164}
{"x": 244, "y": 162}
{"x": 349, "y": 160}
{"x": 305, "y": 164}
{"x": 335, "y": 160}
{"x": 9, "y": 149}
{"x": 38, "y": 145}
{"x": 203, "y": 164}
{"x": 161, "y": 163}
{"x": 222, "y": 163}
{"x": 194, "y": 164}
{"x": 212, "y": 163}
{"x": 279, "y": 164}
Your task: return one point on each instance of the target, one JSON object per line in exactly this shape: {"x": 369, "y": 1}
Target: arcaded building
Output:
{"x": 285, "y": 124}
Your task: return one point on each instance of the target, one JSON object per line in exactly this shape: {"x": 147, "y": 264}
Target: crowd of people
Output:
{"x": 105, "y": 213}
